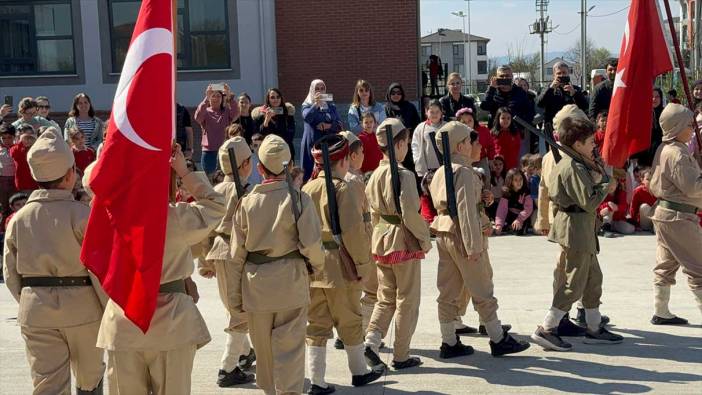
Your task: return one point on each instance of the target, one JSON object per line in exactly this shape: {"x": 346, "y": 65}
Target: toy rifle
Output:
{"x": 348, "y": 266}
{"x": 294, "y": 201}
{"x": 451, "y": 205}
{"x": 235, "y": 173}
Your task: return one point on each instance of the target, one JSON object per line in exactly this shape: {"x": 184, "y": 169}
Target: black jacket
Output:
{"x": 516, "y": 100}
{"x": 402, "y": 110}
{"x": 600, "y": 98}
{"x": 553, "y": 100}
{"x": 451, "y": 106}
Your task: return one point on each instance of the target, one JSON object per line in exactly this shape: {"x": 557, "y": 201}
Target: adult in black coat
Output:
{"x": 454, "y": 99}
{"x": 560, "y": 93}
{"x": 508, "y": 95}
{"x": 645, "y": 158}
{"x": 602, "y": 93}
{"x": 396, "y": 106}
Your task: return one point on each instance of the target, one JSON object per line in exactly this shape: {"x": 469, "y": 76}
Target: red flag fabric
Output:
{"x": 643, "y": 55}
{"x": 126, "y": 232}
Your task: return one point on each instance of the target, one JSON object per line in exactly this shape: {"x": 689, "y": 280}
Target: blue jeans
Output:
{"x": 208, "y": 161}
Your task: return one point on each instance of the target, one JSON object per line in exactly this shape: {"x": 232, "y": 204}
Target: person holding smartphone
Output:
{"x": 276, "y": 117}
{"x": 502, "y": 92}
{"x": 216, "y": 111}
{"x": 321, "y": 118}
{"x": 560, "y": 93}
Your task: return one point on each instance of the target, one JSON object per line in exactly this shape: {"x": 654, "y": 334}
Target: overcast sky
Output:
{"x": 507, "y": 22}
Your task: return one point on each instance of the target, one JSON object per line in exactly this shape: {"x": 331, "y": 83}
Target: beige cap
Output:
{"x": 349, "y": 136}
{"x": 568, "y": 111}
{"x": 241, "y": 150}
{"x": 457, "y": 132}
{"x": 50, "y": 157}
{"x": 86, "y": 178}
{"x": 396, "y": 125}
{"x": 273, "y": 153}
{"x": 674, "y": 119}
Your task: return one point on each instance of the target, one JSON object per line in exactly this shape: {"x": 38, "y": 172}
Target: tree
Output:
{"x": 524, "y": 63}
{"x": 596, "y": 59}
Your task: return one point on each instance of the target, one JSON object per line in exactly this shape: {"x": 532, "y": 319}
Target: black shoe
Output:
{"x": 457, "y": 350}
{"x": 582, "y": 321}
{"x": 508, "y": 345}
{"x": 466, "y": 331}
{"x": 605, "y": 229}
{"x": 338, "y": 344}
{"x": 409, "y": 363}
{"x": 246, "y": 361}
{"x": 235, "y": 377}
{"x": 656, "y": 320}
{"x": 550, "y": 340}
{"x": 363, "y": 379}
{"x": 483, "y": 330}
{"x": 373, "y": 360}
{"x": 602, "y": 336}
{"x": 569, "y": 329}
{"x": 317, "y": 390}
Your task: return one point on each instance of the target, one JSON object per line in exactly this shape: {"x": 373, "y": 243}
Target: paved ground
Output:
{"x": 664, "y": 360}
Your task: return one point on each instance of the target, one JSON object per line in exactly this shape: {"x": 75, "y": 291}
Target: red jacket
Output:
{"x": 486, "y": 141}
{"x": 640, "y": 196}
{"x": 23, "y": 176}
{"x": 508, "y": 145}
{"x": 618, "y": 198}
{"x": 371, "y": 151}
{"x": 599, "y": 140}
{"x": 83, "y": 158}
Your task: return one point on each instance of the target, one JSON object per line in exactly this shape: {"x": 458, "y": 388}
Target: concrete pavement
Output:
{"x": 661, "y": 359}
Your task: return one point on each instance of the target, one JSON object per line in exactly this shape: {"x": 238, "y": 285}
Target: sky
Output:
{"x": 507, "y": 23}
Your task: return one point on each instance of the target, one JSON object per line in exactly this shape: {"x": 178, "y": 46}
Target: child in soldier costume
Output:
{"x": 677, "y": 183}
{"x": 576, "y": 191}
{"x": 271, "y": 241}
{"x": 335, "y": 296}
{"x": 462, "y": 244}
{"x": 400, "y": 240}
{"x": 218, "y": 261}
{"x": 160, "y": 361}
{"x": 60, "y": 302}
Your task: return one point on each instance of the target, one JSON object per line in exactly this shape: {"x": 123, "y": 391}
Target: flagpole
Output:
{"x": 683, "y": 73}
{"x": 174, "y": 15}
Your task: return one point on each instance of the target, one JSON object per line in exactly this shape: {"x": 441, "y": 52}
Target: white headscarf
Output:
{"x": 309, "y": 100}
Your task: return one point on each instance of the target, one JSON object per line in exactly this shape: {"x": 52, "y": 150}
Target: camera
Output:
{"x": 564, "y": 80}
{"x": 326, "y": 97}
{"x": 8, "y": 100}
{"x": 504, "y": 82}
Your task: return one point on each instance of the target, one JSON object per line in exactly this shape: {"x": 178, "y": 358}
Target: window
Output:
{"x": 36, "y": 38}
{"x": 458, "y": 50}
{"x": 426, "y": 52}
{"x": 482, "y": 48}
{"x": 203, "y": 33}
{"x": 482, "y": 67}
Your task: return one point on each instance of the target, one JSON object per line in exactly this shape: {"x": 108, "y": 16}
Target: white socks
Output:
{"x": 495, "y": 331}
{"x": 235, "y": 346}
{"x": 356, "y": 359}
{"x": 661, "y": 295}
{"x": 373, "y": 340}
{"x": 553, "y": 318}
{"x": 448, "y": 333}
{"x": 593, "y": 319}
{"x": 317, "y": 359}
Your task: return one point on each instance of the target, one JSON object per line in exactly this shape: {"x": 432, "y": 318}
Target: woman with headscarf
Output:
{"x": 397, "y": 107}
{"x": 645, "y": 158}
{"x": 321, "y": 118}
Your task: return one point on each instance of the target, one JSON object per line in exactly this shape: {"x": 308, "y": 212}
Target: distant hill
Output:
{"x": 548, "y": 55}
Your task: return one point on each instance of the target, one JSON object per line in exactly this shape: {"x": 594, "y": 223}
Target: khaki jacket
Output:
{"x": 676, "y": 175}
{"x": 177, "y": 321}
{"x": 388, "y": 238}
{"x": 353, "y": 177}
{"x": 221, "y": 250}
{"x": 44, "y": 239}
{"x": 571, "y": 184}
{"x": 353, "y": 230}
{"x": 468, "y": 188}
{"x": 264, "y": 223}
{"x": 544, "y": 210}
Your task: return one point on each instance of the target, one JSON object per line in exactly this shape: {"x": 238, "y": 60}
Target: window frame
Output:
{"x": 484, "y": 62}
{"x": 482, "y": 48}
{"x": 34, "y": 40}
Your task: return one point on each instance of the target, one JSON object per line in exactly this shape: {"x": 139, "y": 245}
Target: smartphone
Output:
{"x": 326, "y": 97}
{"x": 504, "y": 82}
{"x": 218, "y": 87}
{"x": 565, "y": 80}
{"x": 8, "y": 100}
{"x": 277, "y": 110}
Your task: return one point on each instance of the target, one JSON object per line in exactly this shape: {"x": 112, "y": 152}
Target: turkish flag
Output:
{"x": 126, "y": 232}
{"x": 643, "y": 55}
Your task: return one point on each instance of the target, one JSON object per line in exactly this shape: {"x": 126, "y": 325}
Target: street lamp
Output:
{"x": 466, "y": 57}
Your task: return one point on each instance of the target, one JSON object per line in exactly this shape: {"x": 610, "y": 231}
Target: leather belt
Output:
{"x": 177, "y": 286}
{"x": 571, "y": 209}
{"x": 683, "y": 208}
{"x": 56, "y": 281}
{"x": 391, "y": 219}
{"x": 259, "y": 259}
{"x": 330, "y": 245}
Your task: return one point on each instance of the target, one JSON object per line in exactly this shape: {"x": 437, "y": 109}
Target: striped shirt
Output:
{"x": 87, "y": 127}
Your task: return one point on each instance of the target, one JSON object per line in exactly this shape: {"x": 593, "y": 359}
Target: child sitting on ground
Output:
{"x": 613, "y": 211}
{"x": 515, "y": 207}
{"x": 17, "y": 201}
{"x": 497, "y": 178}
{"x": 83, "y": 154}
{"x": 642, "y": 203}
{"x": 600, "y": 133}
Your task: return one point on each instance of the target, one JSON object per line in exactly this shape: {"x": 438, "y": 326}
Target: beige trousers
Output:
{"x": 334, "y": 308}
{"x": 458, "y": 279}
{"x": 134, "y": 372}
{"x": 399, "y": 287}
{"x": 279, "y": 341}
{"x": 53, "y": 353}
{"x": 577, "y": 275}
{"x": 679, "y": 238}
{"x": 370, "y": 287}
{"x": 237, "y": 321}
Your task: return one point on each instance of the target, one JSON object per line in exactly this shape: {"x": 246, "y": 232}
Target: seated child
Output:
{"x": 497, "y": 178}
{"x": 613, "y": 212}
{"x": 600, "y": 133}
{"x": 642, "y": 203}
{"x": 83, "y": 154}
{"x": 515, "y": 207}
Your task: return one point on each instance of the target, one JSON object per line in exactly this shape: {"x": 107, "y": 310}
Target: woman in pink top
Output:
{"x": 217, "y": 111}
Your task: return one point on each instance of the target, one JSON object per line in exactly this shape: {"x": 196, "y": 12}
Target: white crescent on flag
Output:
{"x": 149, "y": 43}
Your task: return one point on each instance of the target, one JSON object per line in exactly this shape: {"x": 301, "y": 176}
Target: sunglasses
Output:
{"x": 393, "y": 93}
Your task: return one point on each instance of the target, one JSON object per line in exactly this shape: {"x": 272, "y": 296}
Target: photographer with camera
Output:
{"x": 560, "y": 93}
{"x": 502, "y": 92}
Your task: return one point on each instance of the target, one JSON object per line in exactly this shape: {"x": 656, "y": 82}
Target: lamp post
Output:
{"x": 583, "y": 42}
{"x": 466, "y": 63}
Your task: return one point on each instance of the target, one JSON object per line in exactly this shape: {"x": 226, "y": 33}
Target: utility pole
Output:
{"x": 583, "y": 42}
{"x": 470, "y": 51}
{"x": 466, "y": 57}
{"x": 542, "y": 27}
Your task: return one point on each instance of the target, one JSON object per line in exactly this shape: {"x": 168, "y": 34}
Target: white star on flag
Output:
{"x": 618, "y": 82}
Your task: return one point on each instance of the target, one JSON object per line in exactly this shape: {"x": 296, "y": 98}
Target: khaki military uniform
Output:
{"x": 161, "y": 359}
{"x": 369, "y": 281}
{"x": 399, "y": 283}
{"x": 677, "y": 178}
{"x": 275, "y": 295}
{"x": 573, "y": 188}
{"x": 59, "y": 324}
{"x": 544, "y": 211}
